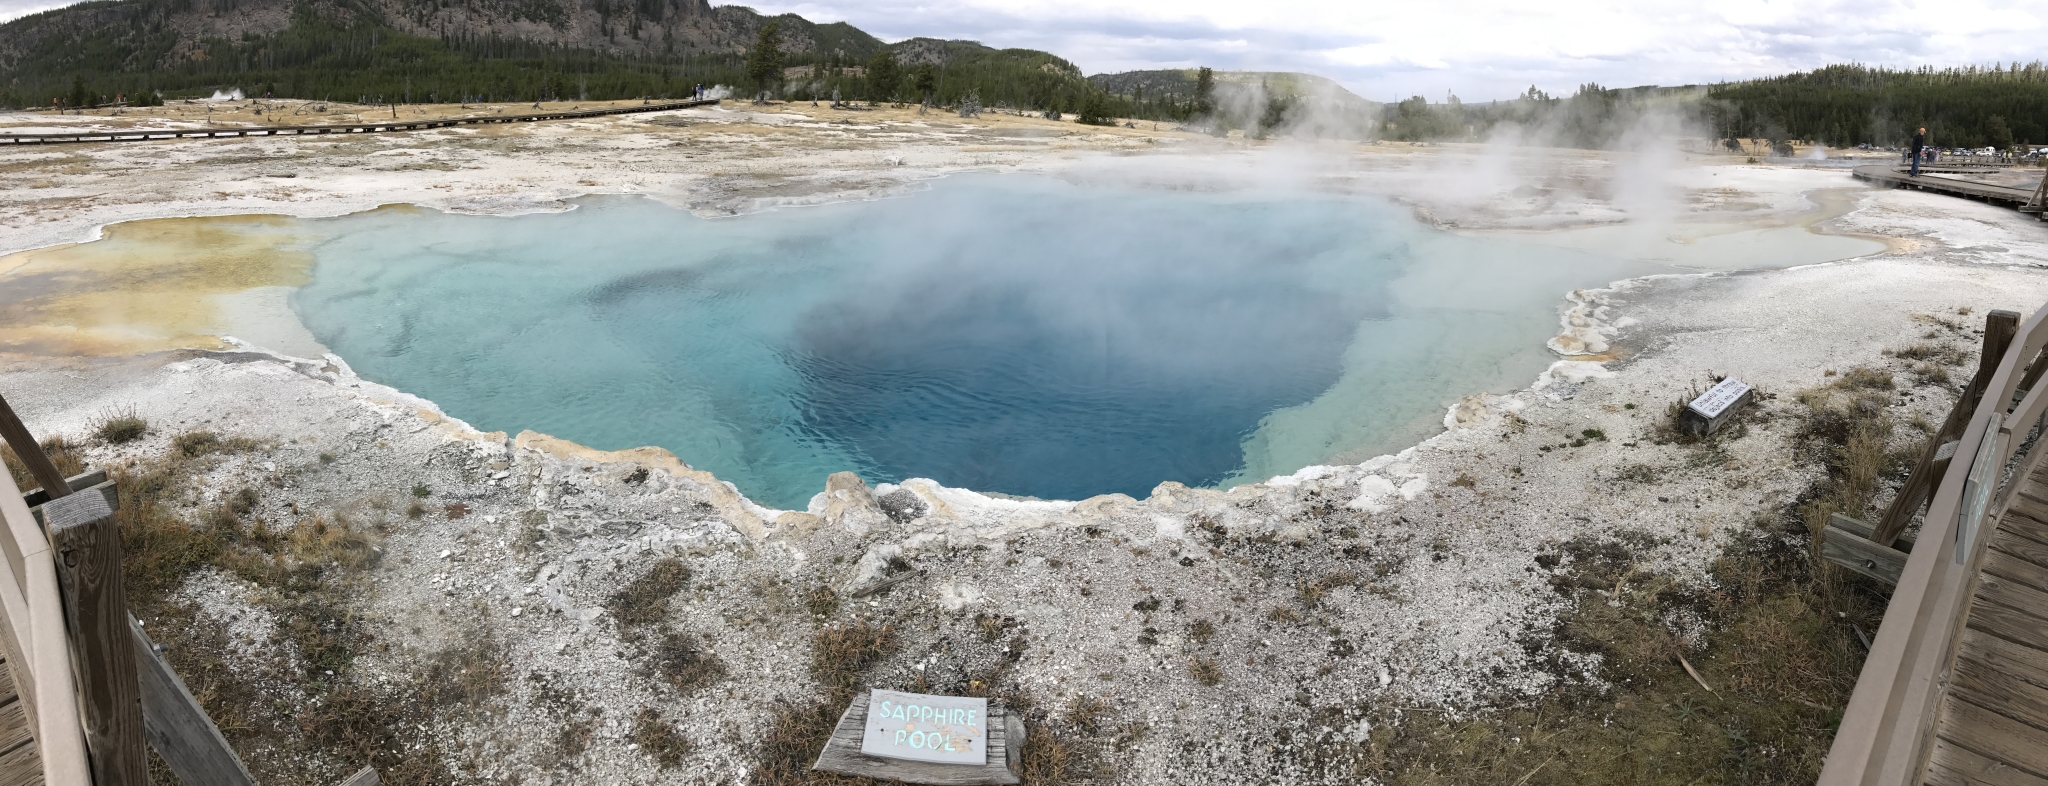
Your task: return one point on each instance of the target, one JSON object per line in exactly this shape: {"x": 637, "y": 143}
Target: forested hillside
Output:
{"x": 393, "y": 50}
{"x": 1848, "y": 105}
{"x": 495, "y": 50}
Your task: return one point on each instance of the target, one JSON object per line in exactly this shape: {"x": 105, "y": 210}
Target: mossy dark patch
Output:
{"x": 645, "y": 601}
{"x": 684, "y": 663}
{"x": 659, "y": 739}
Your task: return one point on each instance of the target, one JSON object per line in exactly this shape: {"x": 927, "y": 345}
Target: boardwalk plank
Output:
{"x": 21, "y": 767}
{"x": 1953, "y": 766}
{"x": 1995, "y": 736}
{"x": 2027, "y": 515}
{"x": 1999, "y": 563}
{"x": 2028, "y": 600}
{"x": 2008, "y": 623}
{"x": 2000, "y": 655}
{"x": 20, "y": 764}
{"x": 2023, "y": 548}
{"x": 1985, "y": 686}
{"x": 14, "y": 731}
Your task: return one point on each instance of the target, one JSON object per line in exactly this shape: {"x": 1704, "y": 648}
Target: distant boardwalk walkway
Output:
{"x": 1889, "y": 175}
{"x": 144, "y": 135}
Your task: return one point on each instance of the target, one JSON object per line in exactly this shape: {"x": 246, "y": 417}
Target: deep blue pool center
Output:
{"x": 1011, "y": 334}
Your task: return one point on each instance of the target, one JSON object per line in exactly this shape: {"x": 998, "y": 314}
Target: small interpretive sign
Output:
{"x": 918, "y": 727}
{"x": 1714, "y": 408}
{"x": 1720, "y": 397}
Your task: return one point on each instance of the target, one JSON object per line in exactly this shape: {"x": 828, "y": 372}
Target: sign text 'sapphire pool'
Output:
{"x": 914, "y": 726}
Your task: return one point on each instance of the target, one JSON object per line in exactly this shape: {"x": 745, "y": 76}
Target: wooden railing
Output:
{"x": 97, "y": 694}
{"x": 1887, "y": 731}
{"x": 37, "y": 650}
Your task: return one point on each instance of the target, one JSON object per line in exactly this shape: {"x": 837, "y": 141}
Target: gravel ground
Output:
{"x": 1256, "y": 633}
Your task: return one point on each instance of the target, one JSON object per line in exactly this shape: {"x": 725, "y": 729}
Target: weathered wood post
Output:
{"x": 178, "y": 728}
{"x": 25, "y": 448}
{"x": 87, "y": 546}
{"x": 1999, "y": 328}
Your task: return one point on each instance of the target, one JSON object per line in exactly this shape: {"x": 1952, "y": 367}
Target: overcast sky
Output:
{"x": 1479, "y": 49}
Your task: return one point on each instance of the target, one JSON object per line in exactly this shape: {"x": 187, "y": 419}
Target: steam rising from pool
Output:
{"x": 1010, "y": 334}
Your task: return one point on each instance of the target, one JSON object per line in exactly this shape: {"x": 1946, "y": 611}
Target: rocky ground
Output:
{"x": 453, "y": 606}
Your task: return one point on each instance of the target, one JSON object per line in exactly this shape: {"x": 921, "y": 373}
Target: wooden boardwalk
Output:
{"x": 1994, "y": 722}
{"x": 1954, "y": 690}
{"x": 1889, "y": 175}
{"x": 145, "y": 135}
{"x": 19, "y": 763}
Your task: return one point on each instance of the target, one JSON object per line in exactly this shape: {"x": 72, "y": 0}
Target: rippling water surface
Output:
{"x": 1009, "y": 334}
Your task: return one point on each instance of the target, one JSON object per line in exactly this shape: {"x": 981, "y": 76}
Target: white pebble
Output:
{"x": 517, "y": 609}
{"x": 445, "y": 553}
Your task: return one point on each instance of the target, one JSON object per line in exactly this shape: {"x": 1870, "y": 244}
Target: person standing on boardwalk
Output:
{"x": 1919, "y": 144}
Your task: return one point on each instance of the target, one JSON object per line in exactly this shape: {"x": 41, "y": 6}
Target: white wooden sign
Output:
{"x": 1717, "y": 398}
{"x": 914, "y": 726}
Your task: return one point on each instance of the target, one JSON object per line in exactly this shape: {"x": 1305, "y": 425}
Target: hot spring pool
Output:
{"x": 1009, "y": 334}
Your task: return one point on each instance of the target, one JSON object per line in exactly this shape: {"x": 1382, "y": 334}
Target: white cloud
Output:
{"x": 1479, "y": 49}
{"x": 15, "y": 9}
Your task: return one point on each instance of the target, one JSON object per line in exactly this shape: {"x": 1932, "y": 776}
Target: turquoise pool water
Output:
{"x": 1011, "y": 334}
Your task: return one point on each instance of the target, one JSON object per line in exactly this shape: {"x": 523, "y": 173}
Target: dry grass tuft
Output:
{"x": 120, "y": 428}
{"x": 840, "y": 658}
{"x": 1845, "y": 429}
{"x": 61, "y": 453}
{"x": 841, "y": 654}
{"x": 1205, "y": 671}
{"x": 194, "y": 444}
{"x": 1085, "y": 714}
{"x": 684, "y": 663}
{"x": 645, "y": 601}
{"x": 822, "y": 601}
{"x": 659, "y": 739}
{"x": 1311, "y": 593}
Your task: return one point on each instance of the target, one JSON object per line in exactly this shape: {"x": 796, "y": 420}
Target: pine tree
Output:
{"x": 882, "y": 76}
{"x": 764, "y": 61}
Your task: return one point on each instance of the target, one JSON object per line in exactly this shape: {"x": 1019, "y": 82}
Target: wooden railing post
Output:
{"x": 1999, "y": 328}
{"x": 25, "y": 448}
{"x": 179, "y": 729}
{"x": 87, "y": 547}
